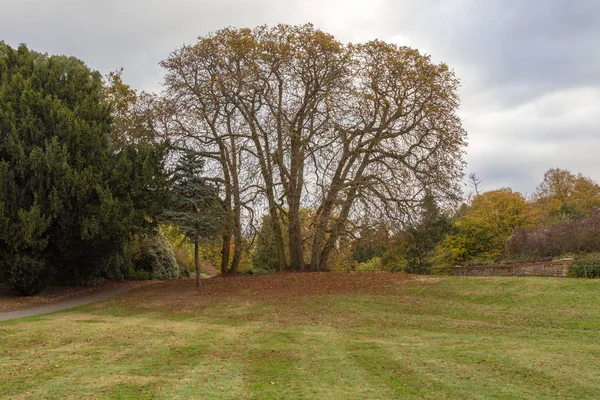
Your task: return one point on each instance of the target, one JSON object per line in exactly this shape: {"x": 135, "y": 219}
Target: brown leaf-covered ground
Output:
{"x": 239, "y": 285}
{"x": 278, "y": 287}
{"x": 294, "y": 283}
{"x": 12, "y": 301}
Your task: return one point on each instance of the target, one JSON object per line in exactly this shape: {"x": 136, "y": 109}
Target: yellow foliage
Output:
{"x": 565, "y": 195}
{"x": 482, "y": 231}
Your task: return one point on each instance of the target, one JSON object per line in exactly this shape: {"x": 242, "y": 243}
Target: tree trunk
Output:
{"x": 294, "y": 189}
{"x": 295, "y": 235}
{"x": 197, "y": 263}
{"x": 237, "y": 241}
{"x": 281, "y": 262}
{"x": 295, "y": 247}
{"x": 225, "y": 250}
{"x": 321, "y": 254}
{"x": 267, "y": 172}
{"x": 226, "y": 246}
{"x": 335, "y": 234}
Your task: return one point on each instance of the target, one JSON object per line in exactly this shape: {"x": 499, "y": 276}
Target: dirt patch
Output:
{"x": 12, "y": 301}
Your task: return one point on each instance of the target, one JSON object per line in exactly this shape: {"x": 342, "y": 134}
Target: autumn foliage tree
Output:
{"x": 564, "y": 195}
{"x": 486, "y": 224}
{"x": 291, "y": 118}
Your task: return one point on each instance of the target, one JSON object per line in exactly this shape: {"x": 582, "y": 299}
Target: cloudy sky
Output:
{"x": 530, "y": 69}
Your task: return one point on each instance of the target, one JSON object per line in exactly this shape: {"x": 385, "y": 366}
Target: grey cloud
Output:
{"x": 530, "y": 69}
{"x": 135, "y": 34}
{"x": 513, "y": 48}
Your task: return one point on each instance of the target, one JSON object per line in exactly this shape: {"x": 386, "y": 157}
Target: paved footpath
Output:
{"x": 62, "y": 305}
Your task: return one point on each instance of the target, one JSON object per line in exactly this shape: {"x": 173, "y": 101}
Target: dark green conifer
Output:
{"x": 195, "y": 206}
{"x": 69, "y": 202}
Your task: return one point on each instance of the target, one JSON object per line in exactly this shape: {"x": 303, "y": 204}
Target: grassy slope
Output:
{"x": 261, "y": 338}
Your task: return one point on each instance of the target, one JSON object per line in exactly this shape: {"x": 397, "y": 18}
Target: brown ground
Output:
{"x": 11, "y": 300}
{"x": 295, "y": 283}
{"x": 179, "y": 294}
{"x": 288, "y": 285}
{"x": 258, "y": 298}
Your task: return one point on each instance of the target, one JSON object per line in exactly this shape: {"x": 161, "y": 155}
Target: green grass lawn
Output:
{"x": 316, "y": 336}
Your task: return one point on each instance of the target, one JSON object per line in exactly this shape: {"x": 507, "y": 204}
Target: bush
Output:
{"x": 183, "y": 260}
{"x": 259, "y": 271}
{"x": 152, "y": 253}
{"x": 372, "y": 265}
{"x": 393, "y": 261}
{"x": 182, "y": 248}
{"x": 585, "y": 266}
{"x": 567, "y": 236}
{"x": 136, "y": 275}
{"x": 26, "y": 275}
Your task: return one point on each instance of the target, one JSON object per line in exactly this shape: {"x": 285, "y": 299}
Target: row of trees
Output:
{"x": 559, "y": 218}
{"x": 284, "y": 125}
{"x": 299, "y": 152}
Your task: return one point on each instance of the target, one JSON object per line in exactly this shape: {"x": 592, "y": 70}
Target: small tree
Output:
{"x": 425, "y": 235}
{"x": 195, "y": 207}
{"x": 413, "y": 249}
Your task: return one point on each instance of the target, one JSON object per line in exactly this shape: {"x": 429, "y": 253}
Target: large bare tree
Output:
{"x": 294, "y": 118}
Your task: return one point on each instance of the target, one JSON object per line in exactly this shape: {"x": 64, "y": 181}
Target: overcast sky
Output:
{"x": 530, "y": 69}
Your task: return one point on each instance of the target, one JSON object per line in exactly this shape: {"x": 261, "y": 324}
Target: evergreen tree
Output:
{"x": 372, "y": 242}
{"x": 425, "y": 235}
{"x": 412, "y": 250}
{"x": 69, "y": 202}
{"x": 195, "y": 207}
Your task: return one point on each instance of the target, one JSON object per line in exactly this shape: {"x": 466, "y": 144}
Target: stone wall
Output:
{"x": 559, "y": 268}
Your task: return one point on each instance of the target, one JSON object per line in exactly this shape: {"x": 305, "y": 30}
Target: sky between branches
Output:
{"x": 530, "y": 69}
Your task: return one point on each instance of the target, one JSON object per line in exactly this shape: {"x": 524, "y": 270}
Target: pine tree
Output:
{"x": 195, "y": 207}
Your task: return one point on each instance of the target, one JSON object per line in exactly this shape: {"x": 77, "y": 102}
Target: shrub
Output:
{"x": 372, "y": 265}
{"x": 152, "y": 253}
{"x": 567, "y": 236}
{"x": 259, "y": 271}
{"x": 136, "y": 275}
{"x": 182, "y": 248}
{"x": 183, "y": 260}
{"x": 393, "y": 260}
{"x": 585, "y": 266}
{"x": 26, "y": 275}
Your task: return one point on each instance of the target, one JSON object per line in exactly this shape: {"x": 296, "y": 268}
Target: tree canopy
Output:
{"x": 485, "y": 225}
{"x": 564, "y": 195}
{"x": 291, "y": 118}
{"x": 69, "y": 200}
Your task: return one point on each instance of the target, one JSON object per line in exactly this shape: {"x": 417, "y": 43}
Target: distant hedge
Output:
{"x": 568, "y": 236}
